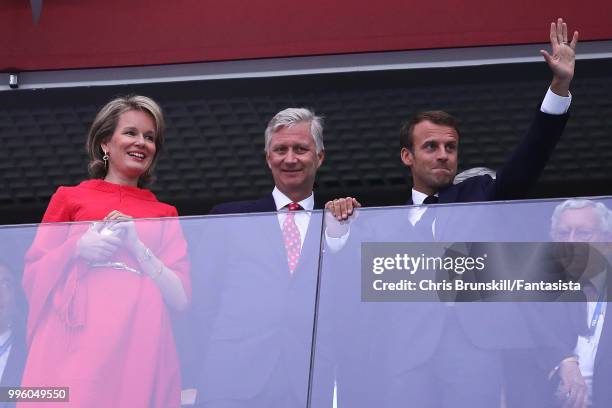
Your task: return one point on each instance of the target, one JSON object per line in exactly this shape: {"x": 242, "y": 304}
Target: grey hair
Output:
{"x": 604, "y": 215}
{"x": 475, "y": 171}
{"x": 292, "y": 116}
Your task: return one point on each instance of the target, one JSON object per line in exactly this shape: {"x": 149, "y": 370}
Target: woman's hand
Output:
{"x": 96, "y": 245}
{"x": 167, "y": 280}
{"x": 124, "y": 226}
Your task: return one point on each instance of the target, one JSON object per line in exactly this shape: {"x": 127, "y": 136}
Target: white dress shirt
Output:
{"x": 302, "y": 218}
{"x": 554, "y": 104}
{"x": 416, "y": 213}
{"x": 586, "y": 346}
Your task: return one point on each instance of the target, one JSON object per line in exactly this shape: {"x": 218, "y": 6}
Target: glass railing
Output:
{"x": 464, "y": 305}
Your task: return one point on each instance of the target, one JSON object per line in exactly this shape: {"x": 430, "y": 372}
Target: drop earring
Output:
{"x": 105, "y": 158}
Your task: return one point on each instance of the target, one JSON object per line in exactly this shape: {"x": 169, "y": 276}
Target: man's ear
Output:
{"x": 268, "y": 161}
{"x": 321, "y": 156}
{"x": 407, "y": 157}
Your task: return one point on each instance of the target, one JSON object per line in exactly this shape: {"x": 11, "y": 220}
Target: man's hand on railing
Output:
{"x": 340, "y": 212}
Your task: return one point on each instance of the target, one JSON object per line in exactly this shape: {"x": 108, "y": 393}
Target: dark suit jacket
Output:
{"x": 264, "y": 204}
{"x": 255, "y": 320}
{"x": 375, "y": 342}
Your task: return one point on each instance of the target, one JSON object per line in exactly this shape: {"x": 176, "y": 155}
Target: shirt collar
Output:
{"x": 418, "y": 197}
{"x": 281, "y": 200}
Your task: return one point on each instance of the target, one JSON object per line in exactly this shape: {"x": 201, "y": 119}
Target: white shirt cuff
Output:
{"x": 554, "y": 104}
{"x": 336, "y": 244}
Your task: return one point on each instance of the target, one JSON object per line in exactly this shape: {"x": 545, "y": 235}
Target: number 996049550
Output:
{"x": 39, "y": 394}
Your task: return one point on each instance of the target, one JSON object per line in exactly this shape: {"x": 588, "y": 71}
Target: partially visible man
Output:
{"x": 12, "y": 331}
{"x": 256, "y": 293}
{"x": 584, "y": 378}
{"x": 429, "y": 146}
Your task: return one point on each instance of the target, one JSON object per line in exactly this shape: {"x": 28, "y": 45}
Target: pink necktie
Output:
{"x": 291, "y": 237}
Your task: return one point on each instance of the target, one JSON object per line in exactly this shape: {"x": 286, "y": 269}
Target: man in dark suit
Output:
{"x": 460, "y": 365}
{"x": 254, "y": 300}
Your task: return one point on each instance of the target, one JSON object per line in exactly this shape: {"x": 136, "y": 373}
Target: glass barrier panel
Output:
{"x": 466, "y": 305}
{"x": 253, "y": 308}
{"x": 212, "y": 311}
{"x": 14, "y": 242}
{"x": 494, "y": 304}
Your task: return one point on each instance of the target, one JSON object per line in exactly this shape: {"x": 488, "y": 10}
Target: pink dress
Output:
{"x": 104, "y": 333}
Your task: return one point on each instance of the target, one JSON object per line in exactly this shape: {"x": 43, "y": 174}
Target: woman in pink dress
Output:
{"x": 100, "y": 293}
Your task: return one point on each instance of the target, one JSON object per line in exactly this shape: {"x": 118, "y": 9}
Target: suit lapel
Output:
{"x": 275, "y": 245}
{"x": 273, "y": 235}
{"x": 443, "y": 216}
{"x": 311, "y": 245}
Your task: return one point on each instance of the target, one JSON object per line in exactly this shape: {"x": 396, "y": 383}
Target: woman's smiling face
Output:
{"x": 131, "y": 148}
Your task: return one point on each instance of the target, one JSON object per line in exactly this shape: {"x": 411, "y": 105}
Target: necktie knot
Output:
{"x": 293, "y": 207}
{"x": 432, "y": 199}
